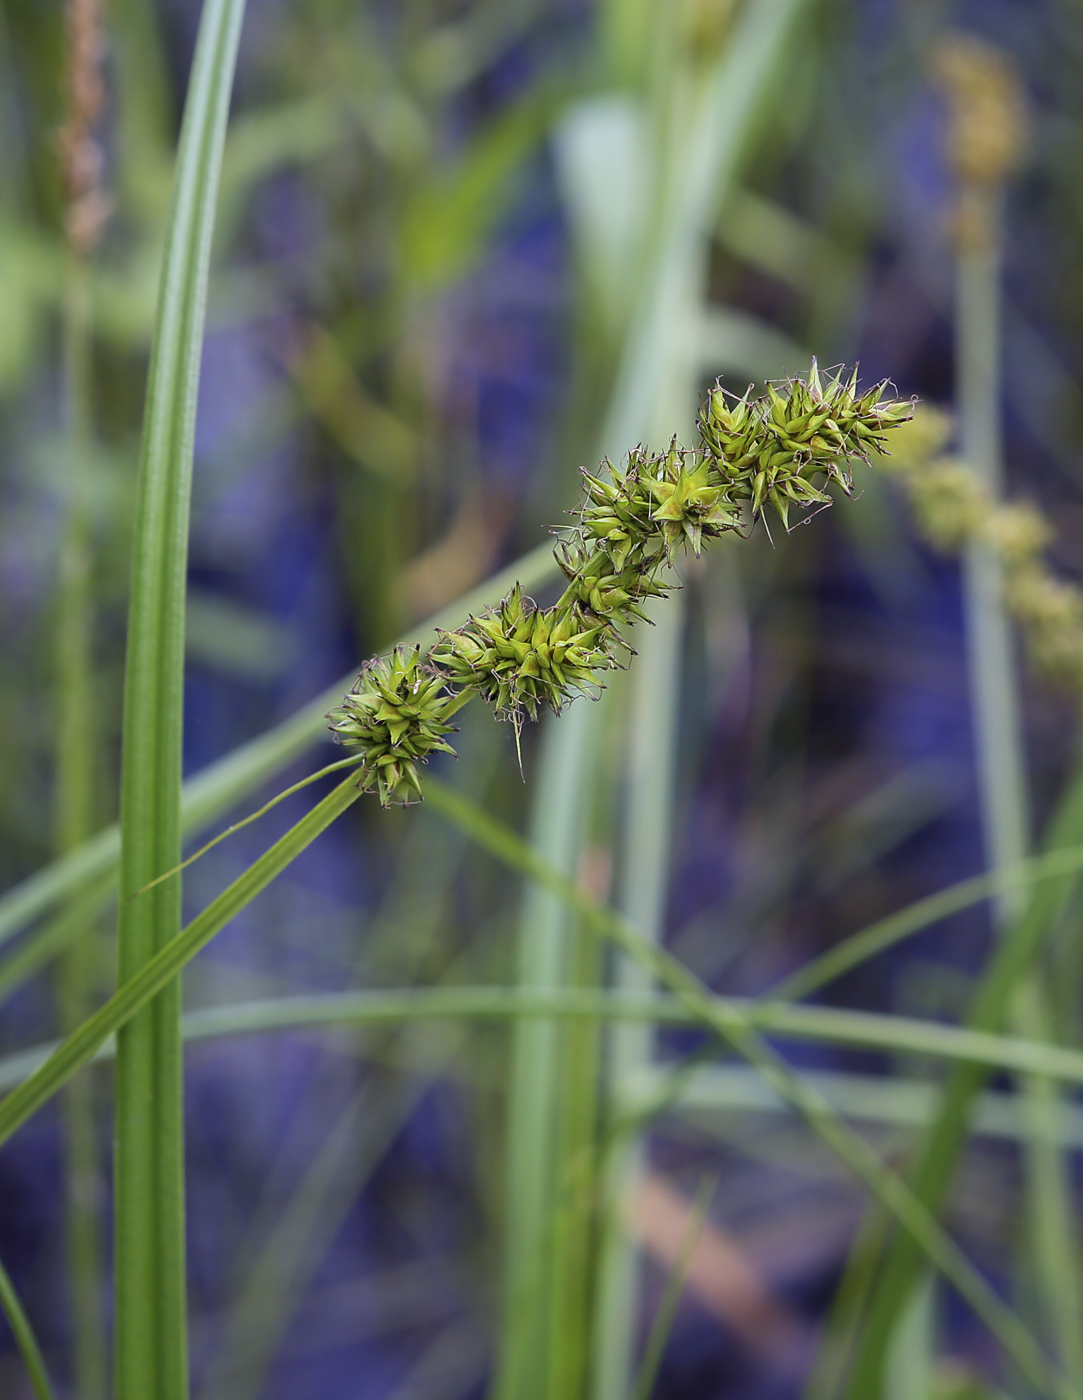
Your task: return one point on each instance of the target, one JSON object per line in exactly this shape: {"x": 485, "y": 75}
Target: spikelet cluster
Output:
{"x": 772, "y": 450}
{"x": 779, "y": 451}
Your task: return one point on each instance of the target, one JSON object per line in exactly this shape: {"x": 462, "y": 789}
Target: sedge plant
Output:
{"x": 769, "y": 457}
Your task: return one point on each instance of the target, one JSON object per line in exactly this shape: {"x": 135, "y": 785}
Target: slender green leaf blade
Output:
{"x": 150, "y": 1279}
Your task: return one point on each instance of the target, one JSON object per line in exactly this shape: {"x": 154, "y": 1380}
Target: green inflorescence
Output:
{"x": 780, "y": 450}
{"x": 397, "y": 714}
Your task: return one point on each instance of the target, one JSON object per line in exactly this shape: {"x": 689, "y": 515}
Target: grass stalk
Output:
{"x": 909, "y": 1372}
{"x": 643, "y": 877}
{"x": 575, "y": 1225}
{"x": 998, "y": 726}
{"x": 994, "y": 689}
{"x": 655, "y": 377}
{"x": 655, "y": 392}
{"x": 150, "y": 1281}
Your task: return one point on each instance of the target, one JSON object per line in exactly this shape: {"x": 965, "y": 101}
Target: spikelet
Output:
{"x": 521, "y": 658}
{"x": 396, "y": 716}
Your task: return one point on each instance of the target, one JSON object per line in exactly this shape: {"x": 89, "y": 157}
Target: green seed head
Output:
{"x": 779, "y": 450}
{"x": 769, "y": 451}
{"x": 395, "y": 715}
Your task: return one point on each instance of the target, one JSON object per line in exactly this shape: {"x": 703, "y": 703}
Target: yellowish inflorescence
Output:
{"x": 779, "y": 451}
{"x": 954, "y": 509}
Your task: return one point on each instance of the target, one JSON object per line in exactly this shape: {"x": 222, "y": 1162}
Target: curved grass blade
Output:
{"x": 886, "y": 932}
{"x": 528, "y": 1352}
{"x": 252, "y": 817}
{"x": 864, "y": 944}
{"x": 151, "y": 1352}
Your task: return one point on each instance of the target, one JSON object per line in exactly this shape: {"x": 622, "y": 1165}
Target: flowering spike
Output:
{"x": 630, "y": 520}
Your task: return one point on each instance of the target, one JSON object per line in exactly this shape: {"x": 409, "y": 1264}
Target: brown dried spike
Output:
{"x": 81, "y": 156}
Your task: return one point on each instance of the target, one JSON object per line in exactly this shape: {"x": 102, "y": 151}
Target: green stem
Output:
{"x": 1002, "y": 772}
{"x": 645, "y": 854}
{"x": 656, "y": 389}
{"x": 1004, "y": 807}
{"x": 79, "y": 968}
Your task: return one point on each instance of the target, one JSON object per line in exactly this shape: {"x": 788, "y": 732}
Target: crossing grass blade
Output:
{"x": 733, "y": 1023}
{"x": 85, "y": 1042}
{"x": 39, "y": 947}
